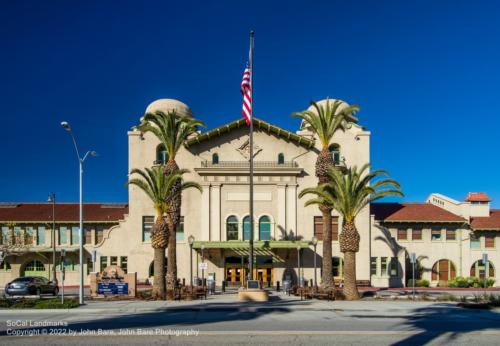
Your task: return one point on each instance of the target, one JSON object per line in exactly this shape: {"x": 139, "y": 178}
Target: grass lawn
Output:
{"x": 38, "y": 303}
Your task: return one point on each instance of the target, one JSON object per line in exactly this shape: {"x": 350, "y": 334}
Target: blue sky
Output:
{"x": 425, "y": 74}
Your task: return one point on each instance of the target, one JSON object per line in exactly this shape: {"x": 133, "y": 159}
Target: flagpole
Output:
{"x": 250, "y": 259}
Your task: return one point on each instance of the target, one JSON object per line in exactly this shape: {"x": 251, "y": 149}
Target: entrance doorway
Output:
{"x": 236, "y": 270}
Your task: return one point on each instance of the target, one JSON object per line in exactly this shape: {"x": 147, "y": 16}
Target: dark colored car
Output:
{"x": 29, "y": 285}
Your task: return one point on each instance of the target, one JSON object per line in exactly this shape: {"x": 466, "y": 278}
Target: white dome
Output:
{"x": 167, "y": 105}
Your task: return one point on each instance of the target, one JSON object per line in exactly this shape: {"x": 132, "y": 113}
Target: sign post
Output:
{"x": 413, "y": 260}
{"x": 63, "y": 273}
{"x": 486, "y": 270}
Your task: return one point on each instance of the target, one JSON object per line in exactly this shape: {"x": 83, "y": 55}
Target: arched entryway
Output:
{"x": 152, "y": 268}
{"x": 443, "y": 270}
{"x": 479, "y": 269}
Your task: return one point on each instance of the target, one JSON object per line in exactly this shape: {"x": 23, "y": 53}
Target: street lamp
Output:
{"x": 52, "y": 198}
{"x": 65, "y": 125}
{"x": 191, "y": 241}
{"x": 202, "y": 266}
{"x": 298, "y": 264}
{"x": 314, "y": 242}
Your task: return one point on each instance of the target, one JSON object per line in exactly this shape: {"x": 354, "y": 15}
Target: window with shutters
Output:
{"x": 318, "y": 228}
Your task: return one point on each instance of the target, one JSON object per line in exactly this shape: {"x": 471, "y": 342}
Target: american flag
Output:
{"x": 246, "y": 91}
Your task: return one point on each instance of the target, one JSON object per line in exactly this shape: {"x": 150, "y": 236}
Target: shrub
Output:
{"x": 418, "y": 283}
{"x": 38, "y": 304}
{"x": 466, "y": 282}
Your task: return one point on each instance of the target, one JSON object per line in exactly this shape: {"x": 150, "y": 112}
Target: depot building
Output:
{"x": 448, "y": 237}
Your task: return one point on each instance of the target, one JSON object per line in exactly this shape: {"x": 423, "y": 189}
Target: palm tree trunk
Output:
{"x": 159, "y": 288}
{"x": 349, "y": 245}
{"x": 327, "y": 274}
{"x": 173, "y": 218}
{"x": 350, "y": 288}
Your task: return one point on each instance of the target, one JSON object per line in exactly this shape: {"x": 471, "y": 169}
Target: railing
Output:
{"x": 245, "y": 164}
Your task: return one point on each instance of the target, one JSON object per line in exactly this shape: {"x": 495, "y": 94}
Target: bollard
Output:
{"x": 183, "y": 282}
{"x": 223, "y": 286}
{"x": 311, "y": 282}
{"x": 277, "y": 286}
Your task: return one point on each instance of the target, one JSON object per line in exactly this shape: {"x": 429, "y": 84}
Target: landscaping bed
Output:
{"x": 38, "y": 304}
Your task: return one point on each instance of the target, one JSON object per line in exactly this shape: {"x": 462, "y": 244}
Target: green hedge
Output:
{"x": 467, "y": 282}
{"x": 418, "y": 283}
{"x": 38, "y": 304}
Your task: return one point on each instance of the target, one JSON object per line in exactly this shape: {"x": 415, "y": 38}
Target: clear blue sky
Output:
{"x": 425, "y": 74}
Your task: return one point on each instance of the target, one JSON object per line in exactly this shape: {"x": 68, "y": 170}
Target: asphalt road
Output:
{"x": 222, "y": 320}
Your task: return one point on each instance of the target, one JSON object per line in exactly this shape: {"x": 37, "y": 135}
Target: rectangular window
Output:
{"x": 40, "y": 235}
{"x": 402, "y": 234}
{"x": 489, "y": 241}
{"x": 147, "y": 226}
{"x": 63, "y": 235}
{"x": 436, "y": 234}
{"x": 318, "y": 228}
{"x": 29, "y": 235}
{"x": 75, "y": 236}
{"x": 5, "y": 235}
{"x": 179, "y": 232}
{"x": 373, "y": 266}
{"x": 18, "y": 235}
{"x": 113, "y": 261}
{"x": 393, "y": 270}
{"x": 475, "y": 242}
{"x": 99, "y": 233}
{"x": 416, "y": 234}
{"x": 88, "y": 235}
{"x": 451, "y": 234}
{"x": 103, "y": 263}
{"x": 124, "y": 263}
{"x": 383, "y": 266}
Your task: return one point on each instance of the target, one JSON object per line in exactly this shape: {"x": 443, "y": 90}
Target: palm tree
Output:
{"x": 325, "y": 120}
{"x": 157, "y": 186}
{"x": 349, "y": 194}
{"x": 172, "y": 130}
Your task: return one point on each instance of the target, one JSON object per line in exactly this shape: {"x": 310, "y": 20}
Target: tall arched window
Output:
{"x": 215, "y": 159}
{"x": 478, "y": 269}
{"x": 161, "y": 155}
{"x": 335, "y": 150}
{"x": 281, "y": 159}
{"x": 34, "y": 268}
{"x": 265, "y": 228}
{"x": 337, "y": 267}
{"x": 232, "y": 228}
{"x": 443, "y": 270}
{"x": 246, "y": 228}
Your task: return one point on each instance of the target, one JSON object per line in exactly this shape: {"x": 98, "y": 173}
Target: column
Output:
{"x": 215, "y": 213}
{"x": 205, "y": 212}
{"x": 280, "y": 230}
{"x": 291, "y": 209}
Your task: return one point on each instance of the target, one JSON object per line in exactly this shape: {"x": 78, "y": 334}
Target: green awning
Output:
{"x": 258, "y": 245}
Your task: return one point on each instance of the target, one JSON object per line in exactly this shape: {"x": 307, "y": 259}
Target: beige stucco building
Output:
{"x": 441, "y": 232}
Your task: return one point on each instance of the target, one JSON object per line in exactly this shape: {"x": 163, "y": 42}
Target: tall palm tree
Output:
{"x": 325, "y": 120}
{"x": 172, "y": 130}
{"x": 349, "y": 194}
{"x": 157, "y": 185}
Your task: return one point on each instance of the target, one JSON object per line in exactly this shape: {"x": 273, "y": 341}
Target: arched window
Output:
{"x": 281, "y": 159}
{"x": 215, "y": 159}
{"x": 232, "y": 228}
{"x": 34, "y": 268}
{"x": 265, "y": 228}
{"x": 5, "y": 266}
{"x": 152, "y": 268}
{"x": 246, "y": 228}
{"x": 443, "y": 270}
{"x": 337, "y": 267}
{"x": 478, "y": 269}
{"x": 335, "y": 150}
{"x": 161, "y": 155}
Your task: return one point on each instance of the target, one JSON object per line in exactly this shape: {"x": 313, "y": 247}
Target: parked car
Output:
{"x": 29, "y": 285}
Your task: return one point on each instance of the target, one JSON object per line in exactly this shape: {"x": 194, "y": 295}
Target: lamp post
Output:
{"x": 191, "y": 241}
{"x": 65, "y": 125}
{"x": 202, "y": 266}
{"x": 298, "y": 265}
{"x": 314, "y": 242}
{"x": 52, "y": 198}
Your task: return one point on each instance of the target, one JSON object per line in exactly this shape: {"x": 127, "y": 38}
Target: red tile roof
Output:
{"x": 99, "y": 212}
{"x": 422, "y": 212}
{"x": 477, "y": 197}
{"x": 488, "y": 222}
